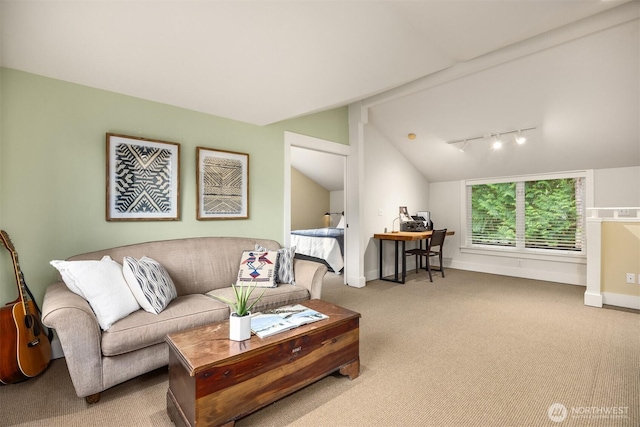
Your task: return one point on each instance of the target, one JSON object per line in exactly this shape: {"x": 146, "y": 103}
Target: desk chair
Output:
{"x": 434, "y": 248}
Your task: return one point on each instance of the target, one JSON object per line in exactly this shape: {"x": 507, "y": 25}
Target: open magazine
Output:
{"x": 270, "y": 322}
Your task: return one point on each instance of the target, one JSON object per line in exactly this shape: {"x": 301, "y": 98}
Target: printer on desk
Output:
{"x": 412, "y": 225}
{"x": 415, "y": 223}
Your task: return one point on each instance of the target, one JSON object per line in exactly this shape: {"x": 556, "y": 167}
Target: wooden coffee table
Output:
{"x": 214, "y": 381}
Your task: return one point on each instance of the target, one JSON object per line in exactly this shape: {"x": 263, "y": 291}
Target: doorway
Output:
{"x": 296, "y": 146}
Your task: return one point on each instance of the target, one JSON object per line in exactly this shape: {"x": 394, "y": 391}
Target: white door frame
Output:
{"x": 292, "y": 139}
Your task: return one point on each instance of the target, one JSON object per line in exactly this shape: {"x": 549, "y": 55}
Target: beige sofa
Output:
{"x": 134, "y": 345}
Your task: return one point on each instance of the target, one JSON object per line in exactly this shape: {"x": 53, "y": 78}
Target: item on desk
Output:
{"x": 270, "y": 322}
{"x": 404, "y": 214}
{"x": 412, "y": 226}
{"x": 408, "y": 223}
{"x": 426, "y": 217}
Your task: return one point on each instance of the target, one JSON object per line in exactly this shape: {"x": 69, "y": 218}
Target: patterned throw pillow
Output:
{"x": 285, "y": 264}
{"x": 258, "y": 268}
{"x": 149, "y": 282}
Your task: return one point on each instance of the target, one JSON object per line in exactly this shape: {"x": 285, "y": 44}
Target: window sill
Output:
{"x": 573, "y": 258}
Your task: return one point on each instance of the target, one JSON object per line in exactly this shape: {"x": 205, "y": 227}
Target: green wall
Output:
{"x": 52, "y": 170}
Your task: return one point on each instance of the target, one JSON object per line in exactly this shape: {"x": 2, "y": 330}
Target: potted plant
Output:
{"x": 240, "y": 318}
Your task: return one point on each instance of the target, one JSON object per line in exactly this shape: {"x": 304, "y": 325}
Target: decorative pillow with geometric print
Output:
{"x": 285, "y": 264}
{"x": 258, "y": 268}
{"x": 149, "y": 282}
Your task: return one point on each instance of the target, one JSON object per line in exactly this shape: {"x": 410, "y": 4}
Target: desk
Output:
{"x": 402, "y": 236}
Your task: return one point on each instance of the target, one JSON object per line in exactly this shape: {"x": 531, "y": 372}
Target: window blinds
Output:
{"x": 546, "y": 214}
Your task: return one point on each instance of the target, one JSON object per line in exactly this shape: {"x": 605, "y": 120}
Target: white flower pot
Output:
{"x": 239, "y": 327}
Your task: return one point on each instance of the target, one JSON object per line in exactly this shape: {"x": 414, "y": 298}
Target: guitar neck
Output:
{"x": 20, "y": 283}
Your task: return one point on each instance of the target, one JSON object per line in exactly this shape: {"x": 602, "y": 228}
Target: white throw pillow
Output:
{"x": 258, "y": 268}
{"x": 284, "y": 264}
{"x": 341, "y": 222}
{"x": 149, "y": 282}
{"x": 102, "y": 284}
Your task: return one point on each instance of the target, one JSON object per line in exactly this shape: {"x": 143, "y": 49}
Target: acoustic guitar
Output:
{"x": 25, "y": 351}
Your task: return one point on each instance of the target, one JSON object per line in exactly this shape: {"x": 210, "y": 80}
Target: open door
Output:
{"x": 296, "y": 146}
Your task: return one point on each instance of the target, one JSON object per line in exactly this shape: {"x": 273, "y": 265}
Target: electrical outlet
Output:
{"x": 631, "y": 278}
{"x": 379, "y": 212}
{"x": 519, "y": 263}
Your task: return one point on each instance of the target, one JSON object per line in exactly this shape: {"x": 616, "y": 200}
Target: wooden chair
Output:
{"x": 434, "y": 248}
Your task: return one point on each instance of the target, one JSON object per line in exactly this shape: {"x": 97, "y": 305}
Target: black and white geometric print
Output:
{"x": 143, "y": 179}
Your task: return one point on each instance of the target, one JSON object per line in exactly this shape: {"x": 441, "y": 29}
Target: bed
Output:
{"x": 324, "y": 244}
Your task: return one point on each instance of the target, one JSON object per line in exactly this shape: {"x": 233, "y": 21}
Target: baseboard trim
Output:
{"x": 357, "y": 281}
{"x": 524, "y": 273}
{"x": 621, "y": 300}
{"x": 592, "y": 300}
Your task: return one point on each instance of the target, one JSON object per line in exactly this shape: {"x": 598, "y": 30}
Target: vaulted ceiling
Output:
{"x": 265, "y": 61}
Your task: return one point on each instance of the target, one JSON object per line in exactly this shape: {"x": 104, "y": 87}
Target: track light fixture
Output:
{"x": 497, "y": 143}
{"x": 519, "y": 138}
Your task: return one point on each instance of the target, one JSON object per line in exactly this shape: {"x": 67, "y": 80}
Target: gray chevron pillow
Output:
{"x": 284, "y": 265}
{"x": 149, "y": 282}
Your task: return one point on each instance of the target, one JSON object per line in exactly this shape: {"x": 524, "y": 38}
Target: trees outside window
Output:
{"x": 543, "y": 214}
{"x": 494, "y": 214}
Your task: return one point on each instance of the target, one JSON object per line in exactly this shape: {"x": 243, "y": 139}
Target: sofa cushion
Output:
{"x": 284, "y": 264}
{"x": 149, "y": 282}
{"x": 284, "y": 294}
{"x": 142, "y": 329}
{"x": 258, "y": 268}
{"x": 102, "y": 284}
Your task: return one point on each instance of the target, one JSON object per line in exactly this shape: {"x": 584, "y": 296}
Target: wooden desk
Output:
{"x": 402, "y": 236}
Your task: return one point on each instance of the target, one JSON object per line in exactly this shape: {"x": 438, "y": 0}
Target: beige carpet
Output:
{"x": 471, "y": 349}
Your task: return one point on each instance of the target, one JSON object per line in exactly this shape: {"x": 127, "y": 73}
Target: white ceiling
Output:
{"x": 326, "y": 169}
{"x": 265, "y": 61}
{"x": 580, "y": 92}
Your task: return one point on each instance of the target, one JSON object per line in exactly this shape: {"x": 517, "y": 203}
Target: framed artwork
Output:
{"x": 222, "y": 184}
{"x": 143, "y": 179}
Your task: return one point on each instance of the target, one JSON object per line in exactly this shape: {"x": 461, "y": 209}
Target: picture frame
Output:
{"x": 143, "y": 179}
{"x": 222, "y": 179}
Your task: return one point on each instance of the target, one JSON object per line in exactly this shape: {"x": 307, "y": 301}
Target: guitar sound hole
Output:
{"x": 28, "y": 321}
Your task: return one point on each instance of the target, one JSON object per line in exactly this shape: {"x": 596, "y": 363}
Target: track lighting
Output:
{"x": 497, "y": 142}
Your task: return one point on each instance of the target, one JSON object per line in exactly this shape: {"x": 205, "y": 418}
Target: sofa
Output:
{"x": 200, "y": 269}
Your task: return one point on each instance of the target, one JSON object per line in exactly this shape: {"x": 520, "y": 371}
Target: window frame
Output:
{"x": 523, "y": 252}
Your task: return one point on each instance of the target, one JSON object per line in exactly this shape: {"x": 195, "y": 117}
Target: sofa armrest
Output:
{"x": 80, "y": 336}
{"x": 309, "y": 274}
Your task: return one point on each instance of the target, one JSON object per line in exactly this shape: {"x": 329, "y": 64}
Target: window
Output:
{"x": 527, "y": 214}
{"x": 493, "y": 214}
